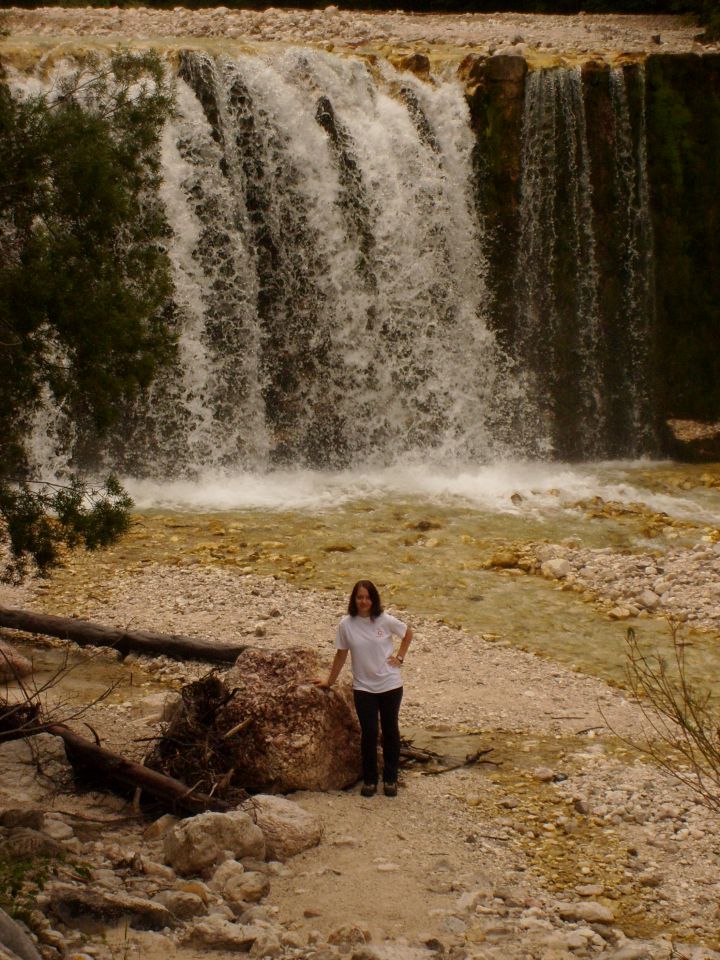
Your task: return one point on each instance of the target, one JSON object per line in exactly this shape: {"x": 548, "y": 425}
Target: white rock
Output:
{"x": 248, "y": 887}
{"x": 287, "y": 828}
{"x": 589, "y": 911}
{"x": 195, "y": 845}
{"x": 648, "y": 599}
{"x": 556, "y": 569}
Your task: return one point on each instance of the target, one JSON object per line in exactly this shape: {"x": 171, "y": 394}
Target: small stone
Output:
{"x": 556, "y": 569}
{"x": 249, "y": 887}
{"x": 504, "y": 559}
{"x": 159, "y": 870}
{"x": 349, "y": 933}
{"x": 158, "y": 828}
{"x": 182, "y": 905}
{"x": 57, "y": 829}
{"x": 543, "y": 774}
{"x": 588, "y": 911}
{"x": 648, "y": 599}
{"x": 589, "y": 889}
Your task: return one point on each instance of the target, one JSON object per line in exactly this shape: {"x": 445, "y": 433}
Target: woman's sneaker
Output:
{"x": 390, "y": 789}
{"x": 368, "y": 790}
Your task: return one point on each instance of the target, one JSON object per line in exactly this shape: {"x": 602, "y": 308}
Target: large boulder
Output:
{"x": 300, "y": 737}
{"x": 194, "y": 846}
{"x": 287, "y": 828}
{"x": 262, "y": 727}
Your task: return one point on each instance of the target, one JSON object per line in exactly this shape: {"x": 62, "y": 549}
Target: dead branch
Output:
{"x": 410, "y": 755}
{"x": 682, "y": 720}
{"x": 86, "y": 633}
{"x": 118, "y": 773}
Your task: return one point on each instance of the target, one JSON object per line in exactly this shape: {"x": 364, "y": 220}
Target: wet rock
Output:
{"x": 287, "y": 828}
{"x": 504, "y": 559}
{"x": 417, "y": 63}
{"x": 472, "y": 69}
{"x": 543, "y": 774}
{"x": 195, "y": 845}
{"x": 556, "y": 569}
{"x": 70, "y": 903}
{"x": 506, "y": 67}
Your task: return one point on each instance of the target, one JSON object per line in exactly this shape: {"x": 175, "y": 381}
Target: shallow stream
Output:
{"x": 424, "y": 538}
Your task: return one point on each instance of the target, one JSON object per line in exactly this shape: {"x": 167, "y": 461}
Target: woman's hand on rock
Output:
{"x": 321, "y": 682}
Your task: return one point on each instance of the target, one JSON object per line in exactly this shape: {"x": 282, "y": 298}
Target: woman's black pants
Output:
{"x": 386, "y": 706}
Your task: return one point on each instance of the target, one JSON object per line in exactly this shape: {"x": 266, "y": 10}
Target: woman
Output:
{"x": 367, "y": 632}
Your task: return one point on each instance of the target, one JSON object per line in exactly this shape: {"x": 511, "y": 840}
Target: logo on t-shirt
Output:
{"x": 380, "y": 632}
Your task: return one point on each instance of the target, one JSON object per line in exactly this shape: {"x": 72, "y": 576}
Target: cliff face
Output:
{"x": 683, "y": 111}
{"x": 642, "y": 138}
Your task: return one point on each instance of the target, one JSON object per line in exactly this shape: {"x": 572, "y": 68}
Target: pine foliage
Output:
{"x": 84, "y": 280}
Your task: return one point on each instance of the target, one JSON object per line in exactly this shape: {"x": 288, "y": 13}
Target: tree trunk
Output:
{"x": 86, "y": 758}
{"x": 86, "y": 633}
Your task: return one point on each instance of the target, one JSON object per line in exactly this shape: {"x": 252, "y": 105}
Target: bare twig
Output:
{"x": 682, "y": 720}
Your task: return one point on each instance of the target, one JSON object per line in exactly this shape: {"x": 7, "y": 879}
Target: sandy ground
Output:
{"x": 405, "y": 869}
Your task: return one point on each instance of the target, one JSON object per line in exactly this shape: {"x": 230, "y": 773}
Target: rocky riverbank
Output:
{"x": 531, "y": 34}
{"x": 567, "y": 845}
{"x": 682, "y": 585}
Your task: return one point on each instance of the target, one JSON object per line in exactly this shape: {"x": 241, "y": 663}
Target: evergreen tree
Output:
{"x": 84, "y": 279}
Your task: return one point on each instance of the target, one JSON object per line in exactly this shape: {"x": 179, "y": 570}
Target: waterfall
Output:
{"x": 329, "y": 271}
{"x": 586, "y": 360}
{"x": 330, "y": 276}
{"x": 635, "y": 250}
{"x": 557, "y": 278}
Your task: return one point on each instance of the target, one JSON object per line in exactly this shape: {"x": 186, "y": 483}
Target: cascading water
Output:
{"x": 588, "y": 372}
{"x": 636, "y": 257}
{"x": 557, "y": 281}
{"x": 330, "y": 277}
{"x": 329, "y": 271}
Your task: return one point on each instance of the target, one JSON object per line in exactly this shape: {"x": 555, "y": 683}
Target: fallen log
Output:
{"x": 90, "y": 760}
{"x": 85, "y": 633}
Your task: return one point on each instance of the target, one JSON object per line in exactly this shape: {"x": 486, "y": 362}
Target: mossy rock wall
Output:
{"x": 683, "y": 118}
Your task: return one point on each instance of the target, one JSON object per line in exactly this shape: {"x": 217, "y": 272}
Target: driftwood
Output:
{"x": 85, "y": 633}
{"x": 436, "y": 763}
{"x": 90, "y": 760}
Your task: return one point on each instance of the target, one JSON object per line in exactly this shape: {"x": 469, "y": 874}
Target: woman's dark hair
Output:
{"x": 375, "y": 604}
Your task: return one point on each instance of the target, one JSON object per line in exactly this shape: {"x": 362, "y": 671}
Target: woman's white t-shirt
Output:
{"x": 370, "y": 644}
